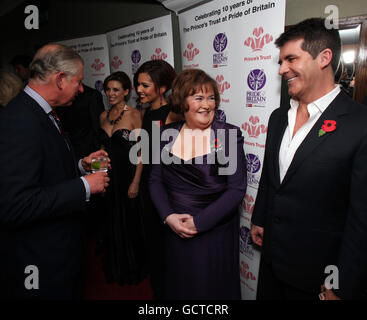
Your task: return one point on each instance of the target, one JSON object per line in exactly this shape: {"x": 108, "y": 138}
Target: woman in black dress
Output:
{"x": 152, "y": 83}
{"x": 124, "y": 238}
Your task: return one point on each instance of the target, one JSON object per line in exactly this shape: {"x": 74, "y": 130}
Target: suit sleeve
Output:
{"x": 24, "y": 195}
{"x": 352, "y": 264}
{"x": 228, "y": 202}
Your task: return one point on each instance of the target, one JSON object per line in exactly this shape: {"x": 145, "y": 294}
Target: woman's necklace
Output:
{"x": 113, "y": 122}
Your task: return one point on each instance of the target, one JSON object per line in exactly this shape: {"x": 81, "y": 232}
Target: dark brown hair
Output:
{"x": 121, "y": 77}
{"x": 316, "y": 38}
{"x": 187, "y": 83}
{"x": 160, "y": 71}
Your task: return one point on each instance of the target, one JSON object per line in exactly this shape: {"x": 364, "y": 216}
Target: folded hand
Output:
{"x": 182, "y": 225}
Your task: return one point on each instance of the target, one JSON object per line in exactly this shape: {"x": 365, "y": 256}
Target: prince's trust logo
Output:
{"x": 254, "y": 128}
{"x": 223, "y": 85}
{"x": 116, "y": 62}
{"x": 190, "y": 52}
{"x": 97, "y": 64}
{"x": 158, "y": 55}
{"x": 257, "y": 42}
{"x": 245, "y": 272}
{"x": 248, "y": 204}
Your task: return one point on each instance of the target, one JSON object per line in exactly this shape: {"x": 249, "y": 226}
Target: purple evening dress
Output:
{"x": 206, "y": 266}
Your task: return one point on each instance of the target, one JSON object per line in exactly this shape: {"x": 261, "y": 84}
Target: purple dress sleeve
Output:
{"x": 228, "y": 201}
{"x": 158, "y": 192}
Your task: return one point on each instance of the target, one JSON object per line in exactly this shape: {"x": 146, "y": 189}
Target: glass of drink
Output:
{"x": 99, "y": 164}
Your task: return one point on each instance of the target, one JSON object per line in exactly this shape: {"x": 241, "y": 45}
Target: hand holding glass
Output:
{"x": 99, "y": 164}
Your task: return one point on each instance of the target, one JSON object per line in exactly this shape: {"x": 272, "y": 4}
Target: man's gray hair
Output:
{"x": 55, "y": 58}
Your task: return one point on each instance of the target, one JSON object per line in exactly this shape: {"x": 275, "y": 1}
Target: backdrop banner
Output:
{"x": 94, "y": 51}
{"x": 233, "y": 41}
{"x": 131, "y": 46}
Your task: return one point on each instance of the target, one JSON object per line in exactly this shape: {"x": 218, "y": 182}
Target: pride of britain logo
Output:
{"x": 256, "y": 81}
{"x": 99, "y": 85}
{"x": 135, "y": 58}
{"x": 253, "y": 167}
{"x": 220, "y": 58}
{"x": 246, "y": 242}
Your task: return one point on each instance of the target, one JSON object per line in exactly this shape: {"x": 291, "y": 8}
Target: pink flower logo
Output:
{"x": 190, "y": 52}
{"x": 98, "y": 64}
{"x": 259, "y": 40}
{"x": 248, "y": 204}
{"x": 222, "y": 86}
{"x": 116, "y": 62}
{"x": 158, "y": 55}
{"x": 253, "y": 129}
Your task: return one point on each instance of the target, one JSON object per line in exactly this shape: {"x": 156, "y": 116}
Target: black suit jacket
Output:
{"x": 40, "y": 198}
{"x": 81, "y": 121}
{"x": 317, "y": 216}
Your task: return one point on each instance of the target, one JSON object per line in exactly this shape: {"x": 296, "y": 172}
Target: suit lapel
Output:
{"x": 312, "y": 140}
{"x": 51, "y": 129}
{"x": 281, "y": 123}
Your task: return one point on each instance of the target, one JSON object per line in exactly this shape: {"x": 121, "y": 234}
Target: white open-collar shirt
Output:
{"x": 290, "y": 144}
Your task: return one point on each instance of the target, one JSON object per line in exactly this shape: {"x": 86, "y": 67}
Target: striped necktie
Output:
{"x": 57, "y": 121}
{"x": 65, "y": 136}
{"x": 59, "y": 126}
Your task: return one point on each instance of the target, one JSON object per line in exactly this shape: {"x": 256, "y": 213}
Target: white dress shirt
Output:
{"x": 290, "y": 144}
{"x": 47, "y": 108}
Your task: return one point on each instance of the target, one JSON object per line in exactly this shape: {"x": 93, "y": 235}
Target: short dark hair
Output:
{"x": 160, "y": 71}
{"x": 21, "y": 59}
{"x": 121, "y": 77}
{"x": 187, "y": 83}
{"x": 316, "y": 38}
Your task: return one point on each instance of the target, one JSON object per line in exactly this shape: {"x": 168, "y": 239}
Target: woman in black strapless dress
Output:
{"x": 124, "y": 239}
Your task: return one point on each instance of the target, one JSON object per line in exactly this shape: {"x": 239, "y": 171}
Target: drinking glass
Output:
{"x": 99, "y": 164}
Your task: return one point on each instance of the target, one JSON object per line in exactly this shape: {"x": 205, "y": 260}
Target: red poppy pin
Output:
{"x": 216, "y": 145}
{"x": 328, "y": 126}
